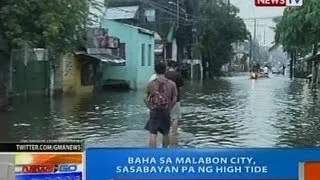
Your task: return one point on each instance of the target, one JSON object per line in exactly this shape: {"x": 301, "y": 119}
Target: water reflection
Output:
{"x": 302, "y": 129}
{"x": 225, "y": 112}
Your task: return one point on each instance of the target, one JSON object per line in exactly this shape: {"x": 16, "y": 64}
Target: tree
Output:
{"x": 298, "y": 30}
{"x": 219, "y": 27}
{"x": 96, "y": 12}
{"x": 299, "y": 27}
{"x": 54, "y": 24}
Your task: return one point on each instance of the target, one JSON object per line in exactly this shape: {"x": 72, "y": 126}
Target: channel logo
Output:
{"x": 30, "y": 166}
{"x": 43, "y": 168}
{"x": 278, "y": 3}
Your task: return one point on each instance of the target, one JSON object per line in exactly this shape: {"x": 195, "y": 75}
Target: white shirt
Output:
{"x": 153, "y": 77}
{"x": 265, "y": 69}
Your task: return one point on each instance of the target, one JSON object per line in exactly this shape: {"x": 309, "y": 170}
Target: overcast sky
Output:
{"x": 248, "y": 10}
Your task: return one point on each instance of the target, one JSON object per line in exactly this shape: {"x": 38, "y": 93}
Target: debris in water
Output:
{"x": 21, "y": 124}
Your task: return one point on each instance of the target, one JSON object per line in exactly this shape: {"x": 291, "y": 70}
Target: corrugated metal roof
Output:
{"x": 311, "y": 57}
{"x": 141, "y": 30}
{"x": 125, "y": 12}
{"x": 109, "y": 59}
{"x": 101, "y": 56}
{"x": 158, "y": 48}
{"x": 157, "y": 37}
{"x": 147, "y": 31}
{"x": 106, "y": 58}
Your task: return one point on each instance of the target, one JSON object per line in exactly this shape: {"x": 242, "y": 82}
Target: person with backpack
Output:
{"x": 160, "y": 99}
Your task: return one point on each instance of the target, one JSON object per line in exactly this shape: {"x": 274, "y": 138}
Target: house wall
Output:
{"x": 133, "y": 72}
{"x": 164, "y": 21}
{"x": 145, "y": 71}
{"x": 71, "y": 79}
{"x": 114, "y": 74}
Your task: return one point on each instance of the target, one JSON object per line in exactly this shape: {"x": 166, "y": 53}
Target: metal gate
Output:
{"x": 30, "y": 71}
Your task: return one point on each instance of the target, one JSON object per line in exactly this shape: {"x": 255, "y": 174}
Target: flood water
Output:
{"x": 226, "y": 112}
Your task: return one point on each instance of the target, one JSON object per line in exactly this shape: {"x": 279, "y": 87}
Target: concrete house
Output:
{"x": 83, "y": 70}
{"x": 138, "y": 48}
{"x": 158, "y": 16}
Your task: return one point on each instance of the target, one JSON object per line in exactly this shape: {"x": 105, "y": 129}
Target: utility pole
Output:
{"x": 230, "y": 63}
{"x": 252, "y": 40}
{"x": 177, "y": 26}
{"x": 264, "y": 37}
{"x": 178, "y": 13}
{"x": 255, "y": 34}
{"x": 255, "y": 29}
{"x": 250, "y": 51}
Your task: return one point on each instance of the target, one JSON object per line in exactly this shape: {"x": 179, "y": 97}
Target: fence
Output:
{"x": 4, "y": 69}
{"x": 4, "y": 81}
{"x": 29, "y": 71}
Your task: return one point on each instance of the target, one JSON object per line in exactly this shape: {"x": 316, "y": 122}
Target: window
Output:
{"x": 115, "y": 52}
{"x": 122, "y": 51}
{"x": 143, "y": 58}
{"x": 150, "y": 15}
{"x": 149, "y": 54}
{"x": 88, "y": 72}
{"x": 169, "y": 51}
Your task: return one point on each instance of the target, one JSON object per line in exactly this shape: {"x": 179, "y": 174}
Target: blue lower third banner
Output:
{"x": 197, "y": 164}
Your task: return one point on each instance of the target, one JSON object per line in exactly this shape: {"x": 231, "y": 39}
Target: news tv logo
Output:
{"x": 33, "y": 169}
{"x": 278, "y": 3}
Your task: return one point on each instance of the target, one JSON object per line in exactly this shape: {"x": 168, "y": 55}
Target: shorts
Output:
{"x": 175, "y": 112}
{"x": 159, "y": 121}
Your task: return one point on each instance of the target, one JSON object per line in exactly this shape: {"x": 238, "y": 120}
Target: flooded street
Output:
{"x": 227, "y": 112}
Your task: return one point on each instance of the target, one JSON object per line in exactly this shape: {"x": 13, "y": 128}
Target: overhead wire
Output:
{"x": 174, "y": 10}
{"x": 156, "y": 6}
{"x": 200, "y": 18}
{"x": 173, "y": 13}
{"x": 163, "y": 8}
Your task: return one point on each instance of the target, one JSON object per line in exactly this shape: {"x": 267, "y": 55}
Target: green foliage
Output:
{"x": 299, "y": 28}
{"x": 97, "y": 9}
{"x": 219, "y": 27}
{"x": 52, "y": 24}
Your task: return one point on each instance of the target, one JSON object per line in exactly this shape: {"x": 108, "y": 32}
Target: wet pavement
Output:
{"x": 226, "y": 112}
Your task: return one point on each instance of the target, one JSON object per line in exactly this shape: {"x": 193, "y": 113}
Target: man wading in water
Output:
{"x": 161, "y": 97}
{"x": 176, "y": 77}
